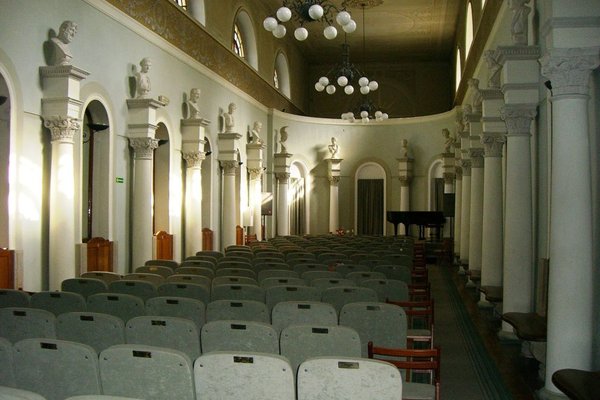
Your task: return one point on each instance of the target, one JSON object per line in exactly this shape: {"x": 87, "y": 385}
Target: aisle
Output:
{"x": 468, "y": 372}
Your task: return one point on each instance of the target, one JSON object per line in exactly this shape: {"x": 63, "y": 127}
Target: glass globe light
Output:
{"x": 378, "y": 114}
{"x": 364, "y": 114}
{"x": 350, "y": 116}
{"x": 324, "y": 81}
{"x": 301, "y": 33}
{"x": 284, "y": 14}
{"x": 330, "y": 89}
{"x": 373, "y": 85}
{"x": 279, "y": 32}
{"x": 349, "y": 89}
{"x": 363, "y": 81}
{"x": 385, "y": 116}
{"x": 315, "y": 11}
{"x": 330, "y": 32}
{"x": 343, "y": 18}
{"x": 270, "y": 23}
{"x": 319, "y": 87}
{"x": 342, "y": 81}
{"x": 349, "y": 27}
{"x": 365, "y": 89}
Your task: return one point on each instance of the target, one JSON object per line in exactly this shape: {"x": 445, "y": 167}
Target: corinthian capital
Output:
{"x": 492, "y": 144}
{"x": 282, "y": 177}
{"x": 229, "y": 166}
{"x": 518, "y": 118}
{"x": 334, "y": 180}
{"x": 255, "y": 173}
{"x": 143, "y": 147}
{"x": 476, "y": 155}
{"x": 62, "y": 129}
{"x": 465, "y": 166}
{"x": 194, "y": 159}
{"x": 569, "y": 69}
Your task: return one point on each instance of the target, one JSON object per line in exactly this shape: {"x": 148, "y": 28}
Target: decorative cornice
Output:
{"x": 144, "y": 103}
{"x": 493, "y": 144}
{"x": 569, "y": 70}
{"x": 194, "y": 159}
{"x": 569, "y": 23}
{"x": 517, "y": 53}
{"x": 518, "y": 118}
{"x": 59, "y": 71}
{"x": 143, "y": 147}
{"x": 62, "y": 129}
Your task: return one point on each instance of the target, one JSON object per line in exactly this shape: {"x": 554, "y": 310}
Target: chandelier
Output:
{"x": 345, "y": 74}
{"x": 305, "y": 11}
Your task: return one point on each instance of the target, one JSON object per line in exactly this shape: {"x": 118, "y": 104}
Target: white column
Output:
{"x": 334, "y": 213}
{"x": 405, "y": 173}
{"x": 141, "y": 208}
{"x": 465, "y": 215}
{"x": 255, "y": 190}
{"x": 476, "y": 211}
{"x": 449, "y": 176}
{"x": 491, "y": 243}
{"x": 518, "y": 230}
{"x": 458, "y": 208}
{"x": 283, "y": 209}
{"x": 62, "y": 201}
{"x": 193, "y": 202}
{"x": 61, "y": 109}
{"x": 229, "y": 214}
{"x": 570, "y": 293}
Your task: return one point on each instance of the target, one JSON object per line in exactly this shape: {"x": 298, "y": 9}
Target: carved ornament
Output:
{"x": 569, "y": 70}
{"x": 62, "y": 129}
{"x": 143, "y": 147}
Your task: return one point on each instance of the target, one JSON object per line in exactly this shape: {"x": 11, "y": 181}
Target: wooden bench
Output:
{"x": 577, "y": 384}
{"x": 528, "y": 326}
{"x": 493, "y": 294}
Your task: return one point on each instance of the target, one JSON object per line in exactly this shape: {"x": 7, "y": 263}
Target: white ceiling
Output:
{"x": 396, "y": 30}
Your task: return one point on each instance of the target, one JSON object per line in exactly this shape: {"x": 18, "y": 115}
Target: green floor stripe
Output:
{"x": 489, "y": 377}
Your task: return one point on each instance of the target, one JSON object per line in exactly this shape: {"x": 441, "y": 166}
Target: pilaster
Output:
{"x": 282, "y": 174}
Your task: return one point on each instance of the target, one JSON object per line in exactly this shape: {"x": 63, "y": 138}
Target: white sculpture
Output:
{"x": 254, "y": 134}
{"x": 404, "y": 144}
{"x": 60, "y": 44}
{"x": 228, "y": 121}
{"x": 193, "y": 108}
{"x": 142, "y": 79}
{"x": 283, "y": 136}
{"x": 494, "y": 68}
{"x": 520, "y": 22}
{"x": 333, "y": 147}
{"x": 449, "y": 144}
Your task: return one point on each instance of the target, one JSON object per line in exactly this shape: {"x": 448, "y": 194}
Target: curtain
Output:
{"x": 370, "y": 207}
{"x": 296, "y": 205}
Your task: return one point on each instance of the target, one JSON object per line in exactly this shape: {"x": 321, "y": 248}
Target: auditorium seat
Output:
{"x": 383, "y": 324}
{"x": 360, "y": 276}
{"x": 58, "y": 302}
{"x": 203, "y": 271}
{"x": 345, "y": 269}
{"x": 324, "y": 283}
{"x": 301, "y": 342}
{"x": 100, "y": 397}
{"x": 171, "y": 332}
{"x": 268, "y": 282}
{"x": 398, "y": 272}
{"x": 182, "y": 307}
{"x": 239, "y": 335}
{"x": 348, "y": 378}
{"x": 14, "y": 298}
{"x": 190, "y": 290}
{"x": 155, "y": 279}
{"x": 84, "y": 286}
{"x": 161, "y": 270}
{"x": 311, "y": 266}
{"x": 237, "y": 292}
{"x": 10, "y": 393}
{"x": 142, "y": 289}
{"x": 97, "y": 330}
{"x": 275, "y": 294}
{"x": 266, "y": 264}
{"x": 249, "y": 376}
{"x": 249, "y": 310}
{"x": 210, "y": 253}
{"x": 233, "y": 262}
{"x": 197, "y": 263}
{"x": 276, "y": 273}
{"x": 340, "y": 295}
{"x": 172, "y": 264}
{"x": 388, "y": 289}
{"x": 56, "y": 369}
{"x": 309, "y": 276}
{"x": 235, "y": 271}
{"x": 18, "y": 323}
{"x": 190, "y": 278}
{"x": 7, "y": 375}
{"x": 233, "y": 280}
{"x": 146, "y": 372}
{"x": 124, "y": 306}
{"x": 288, "y": 313}
{"x": 105, "y": 276}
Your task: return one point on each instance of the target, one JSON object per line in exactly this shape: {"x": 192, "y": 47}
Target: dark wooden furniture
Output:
{"x": 7, "y": 269}
{"x": 207, "y": 239}
{"x": 577, "y": 384}
{"x": 99, "y": 254}
{"x": 423, "y": 219}
{"x": 528, "y": 326}
{"x": 164, "y": 246}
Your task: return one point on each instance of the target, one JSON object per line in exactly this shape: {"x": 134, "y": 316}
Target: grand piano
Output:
{"x": 423, "y": 219}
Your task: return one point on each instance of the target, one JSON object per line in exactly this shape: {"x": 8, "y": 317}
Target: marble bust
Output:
{"x": 60, "y": 44}
{"x": 142, "y": 79}
{"x": 193, "y": 108}
{"x": 255, "y": 133}
{"x": 333, "y": 147}
{"x": 404, "y": 144}
{"x": 228, "y": 121}
{"x": 449, "y": 144}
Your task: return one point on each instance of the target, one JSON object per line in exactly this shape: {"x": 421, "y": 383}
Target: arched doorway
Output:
{"x": 370, "y": 199}
{"x": 297, "y": 200}
{"x": 4, "y": 162}
{"x": 95, "y": 176}
{"x": 162, "y": 162}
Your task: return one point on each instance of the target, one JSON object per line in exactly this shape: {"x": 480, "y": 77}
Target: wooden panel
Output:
{"x": 7, "y": 269}
{"x": 207, "y": 239}
{"x": 99, "y": 254}
{"x": 239, "y": 235}
{"x": 164, "y": 246}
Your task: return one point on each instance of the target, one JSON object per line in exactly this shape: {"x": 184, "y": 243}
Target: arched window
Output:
{"x": 458, "y": 71}
{"x": 370, "y": 200}
{"x": 181, "y": 3}
{"x": 196, "y": 9}
{"x": 244, "y": 40}
{"x": 282, "y": 74}
{"x": 238, "y": 42}
{"x": 469, "y": 29}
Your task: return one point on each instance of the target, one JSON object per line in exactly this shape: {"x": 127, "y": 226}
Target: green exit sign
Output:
{"x": 119, "y": 179}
